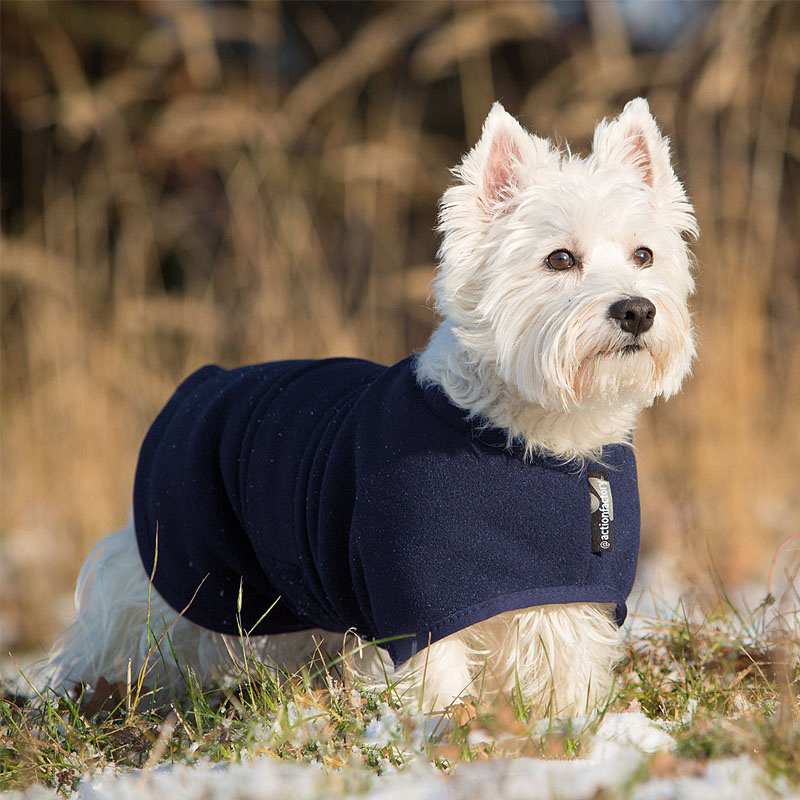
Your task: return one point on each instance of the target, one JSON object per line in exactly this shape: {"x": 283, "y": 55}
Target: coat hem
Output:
{"x": 404, "y": 648}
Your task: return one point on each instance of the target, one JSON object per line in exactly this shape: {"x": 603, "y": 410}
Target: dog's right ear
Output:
{"x": 503, "y": 140}
{"x": 502, "y": 161}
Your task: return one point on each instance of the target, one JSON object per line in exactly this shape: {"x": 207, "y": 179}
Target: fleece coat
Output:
{"x": 341, "y": 494}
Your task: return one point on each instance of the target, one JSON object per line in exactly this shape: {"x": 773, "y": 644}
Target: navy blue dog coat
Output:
{"x": 360, "y": 500}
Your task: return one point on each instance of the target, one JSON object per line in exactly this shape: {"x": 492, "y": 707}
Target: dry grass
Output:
{"x": 187, "y": 183}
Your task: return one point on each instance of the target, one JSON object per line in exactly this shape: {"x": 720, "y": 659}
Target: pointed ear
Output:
{"x": 504, "y": 139}
{"x": 633, "y": 139}
{"x": 501, "y": 162}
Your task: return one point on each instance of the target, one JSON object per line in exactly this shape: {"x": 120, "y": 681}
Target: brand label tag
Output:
{"x": 602, "y": 511}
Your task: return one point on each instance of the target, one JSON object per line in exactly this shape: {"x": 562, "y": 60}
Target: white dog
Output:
{"x": 482, "y": 553}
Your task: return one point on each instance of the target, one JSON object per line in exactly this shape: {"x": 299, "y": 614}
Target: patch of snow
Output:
{"x": 610, "y": 768}
{"x": 385, "y": 729}
{"x": 632, "y": 729}
{"x": 725, "y": 779}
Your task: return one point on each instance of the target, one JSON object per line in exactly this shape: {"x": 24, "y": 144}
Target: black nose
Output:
{"x": 634, "y": 314}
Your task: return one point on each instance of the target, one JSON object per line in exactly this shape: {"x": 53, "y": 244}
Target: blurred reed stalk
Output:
{"x": 196, "y": 182}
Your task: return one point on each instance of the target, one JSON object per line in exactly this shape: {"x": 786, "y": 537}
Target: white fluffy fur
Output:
{"x": 525, "y": 347}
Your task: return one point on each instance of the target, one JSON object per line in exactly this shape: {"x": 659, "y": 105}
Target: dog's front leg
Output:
{"x": 440, "y": 673}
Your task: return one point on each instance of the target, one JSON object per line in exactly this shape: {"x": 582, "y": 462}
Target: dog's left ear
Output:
{"x": 633, "y": 139}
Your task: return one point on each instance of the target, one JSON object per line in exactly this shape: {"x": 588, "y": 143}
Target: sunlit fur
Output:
{"x": 522, "y": 347}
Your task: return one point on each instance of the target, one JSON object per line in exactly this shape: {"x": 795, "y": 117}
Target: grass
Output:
{"x": 714, "y": 686}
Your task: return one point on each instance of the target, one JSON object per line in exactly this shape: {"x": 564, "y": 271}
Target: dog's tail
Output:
{"x": 124, "y": 633}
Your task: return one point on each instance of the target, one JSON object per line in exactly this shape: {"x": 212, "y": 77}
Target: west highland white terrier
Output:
{"x": 473, "y": 509}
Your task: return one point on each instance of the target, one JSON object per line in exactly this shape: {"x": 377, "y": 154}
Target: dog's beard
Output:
{"x": 565, "y": 362}
{"x": 625, "y": 375}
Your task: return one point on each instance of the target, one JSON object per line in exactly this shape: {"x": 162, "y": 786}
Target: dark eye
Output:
{"x": 643, "y": 257}
{"x": 561, "y": 259}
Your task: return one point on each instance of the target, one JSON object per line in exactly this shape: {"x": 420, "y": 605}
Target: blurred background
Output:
{"x": 190, "y": 182}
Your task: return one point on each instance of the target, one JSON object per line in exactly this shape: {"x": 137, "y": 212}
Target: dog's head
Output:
{"x": 570, "y": 276}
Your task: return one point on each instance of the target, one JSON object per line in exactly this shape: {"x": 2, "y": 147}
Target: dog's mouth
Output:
{"x": 625, "y": 350}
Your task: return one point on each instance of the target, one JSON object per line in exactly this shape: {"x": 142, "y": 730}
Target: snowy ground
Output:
{"x": 629, "y": 756}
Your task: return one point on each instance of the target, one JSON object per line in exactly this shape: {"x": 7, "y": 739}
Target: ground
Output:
{"x": 705, "y": 705}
